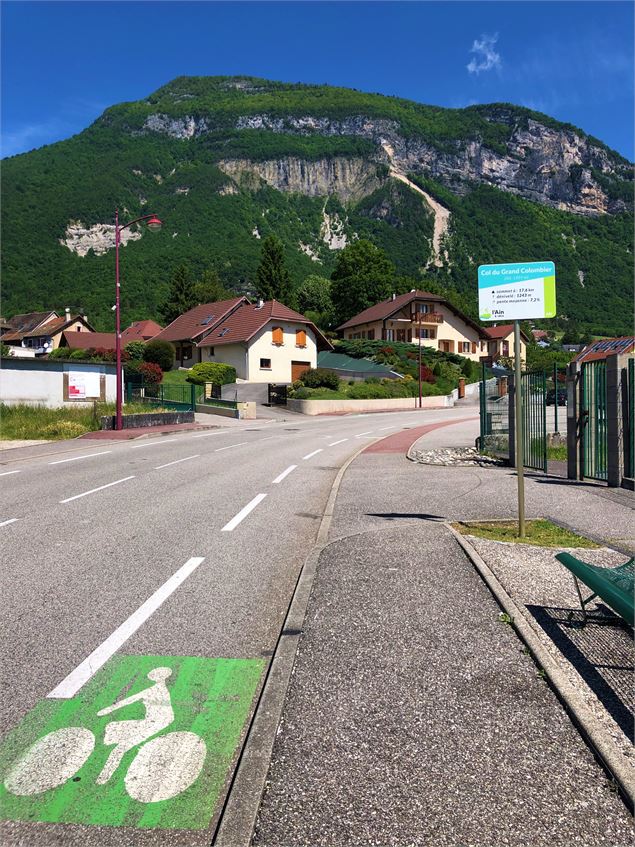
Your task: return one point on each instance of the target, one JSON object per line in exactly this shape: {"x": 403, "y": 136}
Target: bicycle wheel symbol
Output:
{"x": 162, "y": 768}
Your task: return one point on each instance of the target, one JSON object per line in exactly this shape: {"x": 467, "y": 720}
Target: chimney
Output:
{"x": 413, "y": 290}
{"x": 394, "y": 296}
{"x": 68, "y": 313}
{"x": 260, "y": 304}
{"x": 85, "y": 318}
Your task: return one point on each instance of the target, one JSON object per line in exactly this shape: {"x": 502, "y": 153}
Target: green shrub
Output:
{"x": 135, "y": 349}
{"x": 161, "y": 353}
{"x": 79, "y": 354}
{"x": 302, "y": 393}
{"x": 215, "y": 372}
{"x": 320, "y": 378}
{"x": 59, "y": 353}
{"x": 372, "y": 380}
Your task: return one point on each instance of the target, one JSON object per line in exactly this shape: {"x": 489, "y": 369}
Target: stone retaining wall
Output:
{"x": 333, "y": 407}
{"x": 148, "y": 419}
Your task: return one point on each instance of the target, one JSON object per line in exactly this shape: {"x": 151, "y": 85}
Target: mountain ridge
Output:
{"x": 227, "y": 160}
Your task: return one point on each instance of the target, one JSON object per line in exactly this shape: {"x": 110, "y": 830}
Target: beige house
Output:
{"x": 265, "y": 342}
{"x": 500, "y": 343}
{"x": 419, "y": 315}
{"x": 41, "y": 332}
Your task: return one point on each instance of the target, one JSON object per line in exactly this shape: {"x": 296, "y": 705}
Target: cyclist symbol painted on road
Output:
{"x": 162, "y": 769}
{"x": 147, "y": 743}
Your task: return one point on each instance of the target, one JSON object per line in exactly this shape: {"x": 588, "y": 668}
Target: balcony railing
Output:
{"x": 427, "y": 317}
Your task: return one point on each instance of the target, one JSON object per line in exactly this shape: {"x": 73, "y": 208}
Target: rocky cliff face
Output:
{"x": 553, "y": 166}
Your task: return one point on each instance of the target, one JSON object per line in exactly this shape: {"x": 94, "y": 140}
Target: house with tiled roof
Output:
{"x": 500, "y": 343}
{"x": 41, "y": 332}
{"x": 263, "y": 341}
{"x": 419, "y": 317}
{"x": 141, "y": 331}
{"x": 605, "y": 347}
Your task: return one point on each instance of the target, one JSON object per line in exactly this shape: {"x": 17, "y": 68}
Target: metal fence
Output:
{"x": 593, "y": 402}
{"x": 493, "y": 414}
{"x": 534, "y": 397}
{"x": 167, "y": 395}
{"x": 630, "y": 435}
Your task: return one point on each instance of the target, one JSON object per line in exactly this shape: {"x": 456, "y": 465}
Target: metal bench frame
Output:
{"x": 604, "y": 579}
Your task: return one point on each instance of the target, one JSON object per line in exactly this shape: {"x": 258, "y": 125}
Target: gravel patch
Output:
{"x": 457, "y": 456}
{"x": 597, "y": 658}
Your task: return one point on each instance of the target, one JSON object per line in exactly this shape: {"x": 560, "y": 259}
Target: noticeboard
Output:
{"x": 517, "y": 291}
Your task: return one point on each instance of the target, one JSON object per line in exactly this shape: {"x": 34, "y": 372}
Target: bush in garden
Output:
{"x": 160, "y": 353}
{"x": 320, "y": 378}
{"x": 78, "y": 354}
{"x": 132, "y": 371}
{"x": 151, "y": 372}
{"x": 427, "y": 374}
{"x": 59, "y": 353}
{"x": 135, "y": 349}
{"x": 372, "y": 380}
{"x": 216, "y": 372}
{"x": 302, "y": 394}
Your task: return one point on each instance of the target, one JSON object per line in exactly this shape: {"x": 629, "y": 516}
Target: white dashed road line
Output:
{"x": 11, "y": 520}
{"x": 392, "y": 426}
{"x": 207, "y": 434}
{"x": 233, "y": 523}
{"x": 360, "y": 434}
{"x": 229, "y": 446}
{"x": 341, "y": 441}
{"x": 151, "y": 443}
{"x": 69, "y": 686}
{"x": 6, "y": 473}
{"x": 176, "y": 462}
{"x": 314, "y": 453}
{"x": 283, "y": 474}
{"x": 93, "y": 490}
{"x": 77, "y": 458}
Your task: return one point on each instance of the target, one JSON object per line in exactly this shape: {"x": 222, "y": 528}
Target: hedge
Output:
{"x": 215, "y": 372}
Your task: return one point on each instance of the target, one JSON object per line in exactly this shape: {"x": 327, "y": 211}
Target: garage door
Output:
{"x": 298, "y": 368}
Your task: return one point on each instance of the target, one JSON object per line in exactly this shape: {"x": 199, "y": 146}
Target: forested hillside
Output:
{"x": 226, "y": 162}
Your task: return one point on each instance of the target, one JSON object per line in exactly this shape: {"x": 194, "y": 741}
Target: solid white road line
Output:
{"x": 11, "y": 520}
{"x": 341, "y": 441}
{"x": 176, "y": 462}
{"x": 77, "y": 458}
{"x": 93, "y": 490}
{"x": 360, "y": 434}
{"x": 233, "y": 523}
{"x": 69, "y": 686}
{"x": 151, "y": 443}
{"x": 229, "y": 446}
{"x": 314, "y": 453}
{"x": 283, "y": 474}
{"x": 6, "y": 473}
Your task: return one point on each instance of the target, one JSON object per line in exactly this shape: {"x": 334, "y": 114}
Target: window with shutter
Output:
{"x": 474, "y": 347}
{"x": 300, "y": 338}
{"x": 277, "y": 335}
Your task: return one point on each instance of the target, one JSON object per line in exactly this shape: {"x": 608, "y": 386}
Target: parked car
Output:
{"x": 562, "y": 397}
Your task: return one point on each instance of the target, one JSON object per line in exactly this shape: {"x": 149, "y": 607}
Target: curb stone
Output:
{"x": 591, "y": 730}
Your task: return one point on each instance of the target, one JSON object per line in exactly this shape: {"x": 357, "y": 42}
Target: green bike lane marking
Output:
{"x": 210, "y": 698}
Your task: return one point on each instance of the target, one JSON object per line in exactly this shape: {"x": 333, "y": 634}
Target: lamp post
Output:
{"x": 153, "y": 223}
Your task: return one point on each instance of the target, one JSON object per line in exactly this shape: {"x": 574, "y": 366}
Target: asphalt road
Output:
{"x": 186, "y": 545}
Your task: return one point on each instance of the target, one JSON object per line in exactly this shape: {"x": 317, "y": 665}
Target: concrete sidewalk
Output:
{"x": 414, "y": 715}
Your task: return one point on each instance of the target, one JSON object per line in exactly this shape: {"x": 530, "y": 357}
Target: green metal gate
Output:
{"x": 176, "y": 396}
{"x": 594, "y": 421}
{"x": 534, "y": 395}
{"x": 630, "y": 435}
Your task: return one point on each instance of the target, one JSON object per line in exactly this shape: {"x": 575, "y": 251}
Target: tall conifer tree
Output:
{"x": 273, "y": 281}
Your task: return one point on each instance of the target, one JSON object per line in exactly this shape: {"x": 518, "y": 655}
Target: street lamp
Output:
{"x": 153, "y": 223}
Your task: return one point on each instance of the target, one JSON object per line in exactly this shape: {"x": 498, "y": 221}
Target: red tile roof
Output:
{"x": 388, "y": 307}
{"x": 501, "y": 331}
{"x": 141, "y": 331}
{"x": 87, "y": 340}
{"x": 198, "y": 320}
{"x": 243, "y": 323}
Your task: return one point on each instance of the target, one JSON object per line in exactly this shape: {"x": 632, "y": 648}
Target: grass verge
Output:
{"x": 540, "y": 533}
{"x": 558, "y": 454}
{"x": 32, "y": 423}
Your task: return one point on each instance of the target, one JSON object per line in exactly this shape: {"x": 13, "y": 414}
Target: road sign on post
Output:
{"x": 517, "y": 291}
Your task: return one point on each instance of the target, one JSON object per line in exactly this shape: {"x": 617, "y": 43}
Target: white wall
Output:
{"x": 34, "y": 381}
{"x": 246, "y": 357}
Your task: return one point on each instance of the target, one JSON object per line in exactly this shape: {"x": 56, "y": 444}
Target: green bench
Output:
{"x": 613, "y": 585}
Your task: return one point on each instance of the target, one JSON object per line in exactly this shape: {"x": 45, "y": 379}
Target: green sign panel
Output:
{"x": 517, "y": 291}
{"x": 147, "y": 743}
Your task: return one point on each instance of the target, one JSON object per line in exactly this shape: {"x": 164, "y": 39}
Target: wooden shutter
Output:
{"x": 474, "y": 347}
{"x": 300, "y": 338}
{"x": 277, "y": 336}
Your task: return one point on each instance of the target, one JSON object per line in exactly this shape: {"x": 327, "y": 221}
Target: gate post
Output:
{"x": 511, "y": 412}
{"x": 193, "y": 396}
{"x": 575, "y": 426}
{"x": 614, "y": 429}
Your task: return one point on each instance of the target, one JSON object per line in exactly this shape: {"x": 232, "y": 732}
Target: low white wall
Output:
{"x": 41, "y": 382}
{"x": 331, "y": 407}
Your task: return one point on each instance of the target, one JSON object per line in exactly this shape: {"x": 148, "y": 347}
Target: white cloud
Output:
{"x": 485, "y": 56}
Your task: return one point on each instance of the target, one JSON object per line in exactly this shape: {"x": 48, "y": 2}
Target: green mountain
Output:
{"x": 226, "y": 161}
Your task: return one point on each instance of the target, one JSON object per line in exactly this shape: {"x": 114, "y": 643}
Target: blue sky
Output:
{"x": 64, "y": 63}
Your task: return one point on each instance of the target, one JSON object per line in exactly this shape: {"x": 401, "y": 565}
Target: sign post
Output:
{"x": 517, "y": 291}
